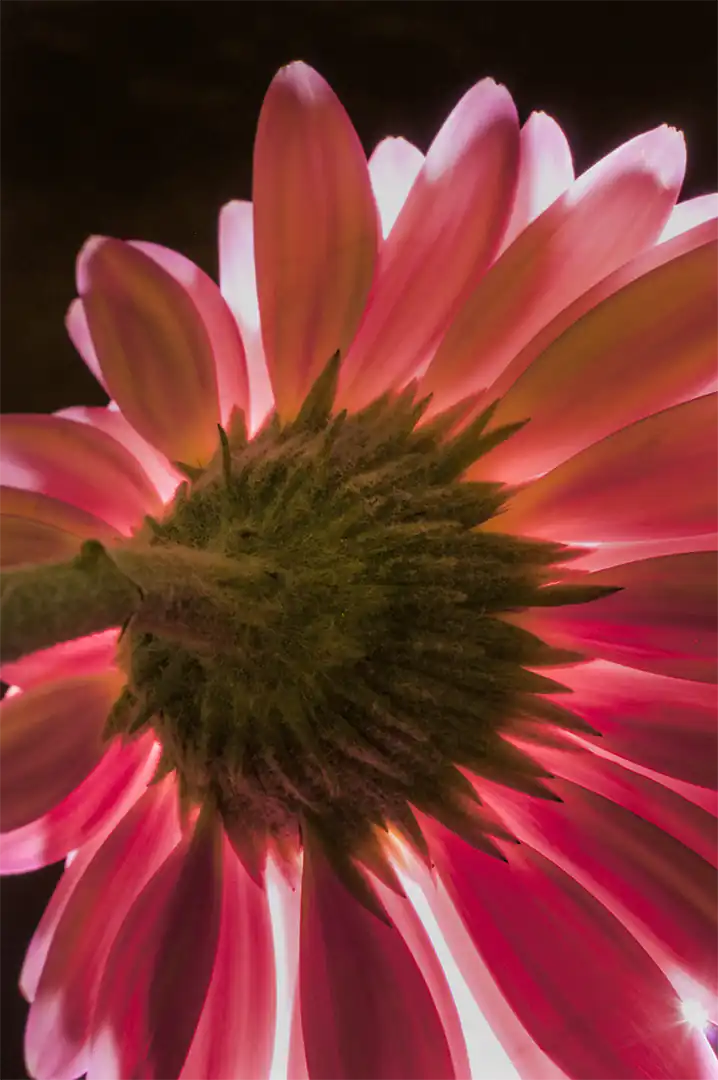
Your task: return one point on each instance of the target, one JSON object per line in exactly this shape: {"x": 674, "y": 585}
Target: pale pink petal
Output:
{"x": 366, "y": 1010}
{"x": 36, "y": 528}
{"x": 545, "y": 171}
{"x": 644, "y": 348}
{"x": 242, "y": 987}
{"x": 219, "y": 323}
{"x": 616, "y": 489}
{"x": 50, "y": 742}
{"x": 315, "y": 226}
{"x": 78, "y": 464}
{"x": 59, "y": 1021}
{"x": 446, "y": 235}
{"x": 589, "y": 995}
{"x": 238, "y": 282}
{"x": 663, "y": 724}
{"x": 154, "y": 349}
{"x": 606, "y": 218}
{"x": 663, "y": 620}
{"x": 163, "y": 476}
{"x": 79, "y": 332}
{"x": 83, "y": 656}
{"x": 159, "y": 969}
{"x": 393, "y": 168}
{"x": 107, "y": 794}
{"x": 688, "y": 214}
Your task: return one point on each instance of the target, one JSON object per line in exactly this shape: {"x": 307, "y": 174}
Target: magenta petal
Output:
{"x": 158, "y": 972}
{"x": 79, "y": 465}
{"x": 94, "y": 806}
{"x": 83, "y": 656}
{"x": 51, "y": 741}
{"x": 315, "y": 229}
{"x": 393, "y": 167}
{"x": 59, "y": 1021}
{"x": 605, "y": 219}
{"x": 224, "y": 336}
{"x": 589, "y": 995}
{"x": 36, "y": 528}
{"x": 238, "y": 282}
{"x": 242, "y": 987}
{"x": 615, "y": 490}
{"x": 444, "y": 238}
{"x": 154, "y": 350}
{"x": 663, "y": 620}
{"x": 366, "y": 1011}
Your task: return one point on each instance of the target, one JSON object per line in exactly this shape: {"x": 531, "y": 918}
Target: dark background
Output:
{"x": 136, "y": 119}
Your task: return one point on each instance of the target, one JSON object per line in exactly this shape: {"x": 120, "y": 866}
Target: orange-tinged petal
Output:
{"x": 79, "y": 333}
{"x": 366, "y": 1010}
{"x": 587, "y": 993}
{"x": 446, "y": 235}
{"x": 58, "y": 1025}
{"x": 393, "y": 167}
{"x": 663, "y": 620}
{"x": 607, "y": 217}
{"x": 617, "y": 489}
{"x": 686, "y": 215}
{"x": 643, "y": 349}
{"x": 224, "y": 336}
{"x": 545, "y": 171}
{"x": 76, "y": 464}
{"x": 238, "y": 282}
{"x": 153, "y": 347}
{"x": 315, "y": 227}
{"x": 83, "y": 656}
{"x": 36, "y": 528}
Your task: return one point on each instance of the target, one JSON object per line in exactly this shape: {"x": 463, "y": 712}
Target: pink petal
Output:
{"x": 589, "y": 995}
{"x": 660, "y": 723}
{"x": 36, "y": 528}
{"x": 163, "y": 476}
{"x": 366, "y": 1011}
{"x": 606, "y": 218}
{"x": 688, "y": 214}
{"x": 242, "y": 987}
{"x": 76, "y": 464}
{"x": 616, "y": 489}
{"x": 102, "y": 799}
{"x": 219, "y": 323}
{"x": 79, "y": 332}
{"x": 663, "y": 620}
{"x": 158, "y": 972}
{"x": 50, "y": 741}
{"x": 315, "y": 227}
{"x": 154, "y": 349}
{"x": 545, "y": 171}
{"x": 238, "y": 283}
{"x": 598, "y": 558}
{"x": 393, "y": 168}
{"x": 644, "y": 348}
{"x": 446, "y": 235}
{"x": 83, "y": 656}
{"x": 59, "y": 1021}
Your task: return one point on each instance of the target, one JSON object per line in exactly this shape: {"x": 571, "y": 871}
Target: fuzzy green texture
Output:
{"x": 320, "y": 638}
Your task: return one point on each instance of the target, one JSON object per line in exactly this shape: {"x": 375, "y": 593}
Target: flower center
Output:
{"x": 324, "y": 642}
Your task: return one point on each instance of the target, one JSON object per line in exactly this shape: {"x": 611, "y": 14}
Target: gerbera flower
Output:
{"x": 368, "y": 633}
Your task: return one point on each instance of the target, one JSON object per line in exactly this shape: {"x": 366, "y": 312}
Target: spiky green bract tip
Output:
{"x": 323, "y": 636}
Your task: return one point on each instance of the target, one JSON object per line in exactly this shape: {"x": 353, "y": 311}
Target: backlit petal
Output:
{"x": 79, "y": 333}
{"x": 617, "y": 489}
{"x": 367, "y": 1013}
{"x": 36, "y": 528}
{"x": 78, "y": 464}
{"x": 315, "y": 225}
{"x": 238, "y": 282}
{"x": 393, "y": 168}
{"x": 592, "y": 999}
{"x": 83, "y": 656}
{"x": 686, "y": 215}
{"x": 446, "y": 235}
{"x": 607, "y": 217}
{"x": 154, "y": 349}
{"x": 643, "y": 349}
{"x": 663, "y": 620}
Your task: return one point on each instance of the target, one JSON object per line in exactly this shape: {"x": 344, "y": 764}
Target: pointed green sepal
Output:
{"x": 559, "y": 595}
{"x": 192, "y": 472}
{"x": 317, "y": 405}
